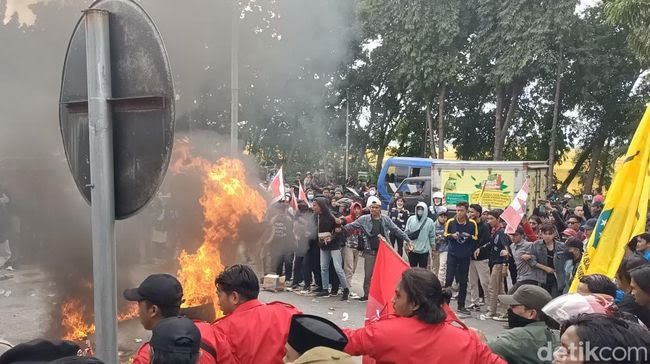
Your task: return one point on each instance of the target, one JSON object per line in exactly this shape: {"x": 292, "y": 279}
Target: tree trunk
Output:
{"x": 576, "y": 169}
{"x": 604, "y": 160}
{"x": 441, "y": 121}
{"x": 512, "y": 108}
{"x": 424, "y": 141}
{"x": 380, "y": 158}
{"x": 588, "y": 182}
{"x": 432, "y": 141}
{"x": 556, "y": 112}
{"x": 498, "y": 116}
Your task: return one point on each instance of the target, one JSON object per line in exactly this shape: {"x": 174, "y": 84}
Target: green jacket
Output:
{"x": 427, "y": 236}
{"x": 526, "y": 345}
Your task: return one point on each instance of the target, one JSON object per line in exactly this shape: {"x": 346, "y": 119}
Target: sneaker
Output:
{"x": 464, "y": 312}
{"x": 304, "y": 292}
{"x": 334, "y": 292}
{"x": 502, "y": 318}
{"x": 346, "y": 295}
{"x": 323, "y": 293}
{"x": 363, "y": 299}
{"x": 295, "y": 287}
{"x": 354, "y": 296}
{"x": 474, "y": 307}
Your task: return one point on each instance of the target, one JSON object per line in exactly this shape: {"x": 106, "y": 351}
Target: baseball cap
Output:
{"x": 176, "y": 335}
{"x": 373, "y": 200}
{"x": 567, "y": 306}
{"x": 159, "y": 289}
{"x": 39, "y": 351}
{"x": 528, "y": 295}
{"x": 570, "y": 233}
{"x": 589, "y": 224}
{"x": 309, "y": 331}
{"x": 323, "y": 355}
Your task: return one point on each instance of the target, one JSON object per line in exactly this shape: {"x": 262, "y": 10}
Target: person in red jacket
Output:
{"x": 256, "y": 332}
{"x": 160, "y": 296}
{"x": 420, "y": 332}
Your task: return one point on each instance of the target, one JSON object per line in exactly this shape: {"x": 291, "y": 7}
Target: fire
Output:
{"x": 77, "y": 319}
{"x": 74, "y": 320}
{"x": 226, "y": 198}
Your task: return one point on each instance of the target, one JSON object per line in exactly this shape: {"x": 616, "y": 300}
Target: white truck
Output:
{"x": 492, "y": 184}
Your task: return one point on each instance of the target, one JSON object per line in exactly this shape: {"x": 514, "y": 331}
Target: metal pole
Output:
{"x": 234, "y": 78}
{"x": 100, "y": 125}
{"x": 347, "y": 134}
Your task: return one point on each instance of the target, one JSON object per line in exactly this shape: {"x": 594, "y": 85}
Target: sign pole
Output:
{"x": 347, "y": 135}
{"x": 100, "y": 122}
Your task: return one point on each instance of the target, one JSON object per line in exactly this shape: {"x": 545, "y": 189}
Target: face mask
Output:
{"x": 372, "y": 192}
{"x": 515, "y": 320}
{"x": 311, "y": 197}
{"x": 419, "y": 212}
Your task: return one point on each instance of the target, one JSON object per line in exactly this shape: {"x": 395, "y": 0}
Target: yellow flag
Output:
{"x": 625, "y": 210}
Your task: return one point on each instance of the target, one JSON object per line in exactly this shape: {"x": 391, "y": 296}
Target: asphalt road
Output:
{"x": 28, "y": 297}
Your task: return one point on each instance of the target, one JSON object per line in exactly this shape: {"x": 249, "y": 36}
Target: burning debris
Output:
{"x": 226, "y": 199}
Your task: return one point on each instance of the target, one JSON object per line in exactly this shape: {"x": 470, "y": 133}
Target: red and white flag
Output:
{"x": 515, "y": 212}
{"x": 276, "y": 187}
{"x": 301, "y": 193}
{"x": 294, "y": 202}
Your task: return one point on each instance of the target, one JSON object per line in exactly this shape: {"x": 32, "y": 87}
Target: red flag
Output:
{"x": 294, "y": 202}
{"x": 301, "y": 193}
{"x": 513, "y": 214}
{"x": 387, "y": 272}
{"x": 276, "y": 187}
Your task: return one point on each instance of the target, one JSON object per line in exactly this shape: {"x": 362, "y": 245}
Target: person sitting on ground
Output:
{"x": 256, "y": 332}
{"x": 309, "y": 331}
{"x": 587, "y": 336}
{"x": 159, "y": 297}
{"x": 597, "y": 284}
{"x": 175, "y": 340}
{"x": 624, "y": 281}
{"x": 643, "y": 245}
{"x": 420, "y": 332}
{"x": 528, "y": 326}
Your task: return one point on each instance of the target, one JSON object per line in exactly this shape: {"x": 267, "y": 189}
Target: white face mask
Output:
{"x": 311, "y": 197}
{"x": 372, "y": 192}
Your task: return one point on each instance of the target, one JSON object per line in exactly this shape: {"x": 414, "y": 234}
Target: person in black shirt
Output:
{"x": 462, "y": 234}
{"x": 399, "y": 215}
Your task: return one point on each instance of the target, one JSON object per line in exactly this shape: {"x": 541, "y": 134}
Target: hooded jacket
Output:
{"x": 326, "y": 223}
{"x": 427, "y": 237}
{"x": 356, "y": 239}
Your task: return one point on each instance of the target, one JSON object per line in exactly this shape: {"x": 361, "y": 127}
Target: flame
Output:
{"x": 77, "y": 319}
{"x": 74, "y": 320}
{"x": 226, "y": 199}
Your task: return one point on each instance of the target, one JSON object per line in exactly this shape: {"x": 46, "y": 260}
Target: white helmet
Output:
{"x": 438, "y": 194}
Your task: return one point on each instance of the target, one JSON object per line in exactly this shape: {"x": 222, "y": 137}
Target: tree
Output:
{"x": 634, "y": 16}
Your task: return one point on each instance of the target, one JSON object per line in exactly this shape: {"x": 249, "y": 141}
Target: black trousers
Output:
{"x": 312, "y": 262}
{"x": 397, "y": 244}
{"x": 419, "y": 259}
{"x": 458, "y": 268}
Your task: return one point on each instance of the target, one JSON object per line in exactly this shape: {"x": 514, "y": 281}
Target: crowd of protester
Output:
{"x": 520, "y": 278}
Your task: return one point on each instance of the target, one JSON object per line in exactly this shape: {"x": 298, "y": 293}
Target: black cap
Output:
{"x": 39, "y": 351}
{"x": 159, "y": 289}
{"x": 309, "y": 331}
{"x": 589, "y": 224}
{"x": 176, "y": 335}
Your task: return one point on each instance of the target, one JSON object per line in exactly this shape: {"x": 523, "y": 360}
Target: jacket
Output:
{"x": 426, "y": 239}
{"x": 399, "y": 217}
{"x": 357, "y": 238}
{"x": 209, "y": 338}
{"x": 256, "y": 331}
{"x": 441, "y": 243}
{"x": 498, "y": 241}
{"x": 559, "y": 260}
{"x": 326, "y": 223}
{"x": 407, "y": 340}
{"x": 364, "y": 223}
{"x": 520, "y": 345}
{"x": 465, "y": 245}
